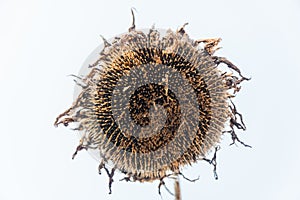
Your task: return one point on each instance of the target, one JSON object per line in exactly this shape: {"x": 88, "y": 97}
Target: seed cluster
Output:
{"x": 152, "y": 104}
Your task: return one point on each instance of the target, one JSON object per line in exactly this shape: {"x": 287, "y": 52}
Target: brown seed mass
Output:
{"x": 152, "y": 104}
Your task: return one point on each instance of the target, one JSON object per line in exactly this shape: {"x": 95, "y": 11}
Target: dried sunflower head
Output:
{"x": 154, "y": 102}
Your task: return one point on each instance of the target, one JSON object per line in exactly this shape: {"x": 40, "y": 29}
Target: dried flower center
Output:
{"x": 152, "y": 104}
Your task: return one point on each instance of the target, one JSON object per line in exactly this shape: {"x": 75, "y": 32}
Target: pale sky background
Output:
{"x": 41, "y": 42}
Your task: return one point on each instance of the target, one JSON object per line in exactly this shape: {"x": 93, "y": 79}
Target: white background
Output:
{"x": 41, "y": 42}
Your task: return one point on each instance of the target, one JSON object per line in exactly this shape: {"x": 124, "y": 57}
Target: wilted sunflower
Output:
{"x": 154, "y": 102}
